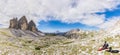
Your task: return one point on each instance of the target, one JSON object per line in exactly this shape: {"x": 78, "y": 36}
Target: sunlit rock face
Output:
{"x": 32, "y": 26}
{"x": 22, "y": 23}
{"x": 75, "y": 33}
{"x": 13, "y": 23}
{"x": 21, "y": 27}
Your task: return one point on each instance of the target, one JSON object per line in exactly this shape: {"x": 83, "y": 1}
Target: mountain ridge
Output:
{"x": 22, "y": 27}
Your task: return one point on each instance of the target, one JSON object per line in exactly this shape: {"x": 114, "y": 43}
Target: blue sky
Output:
{"x": 63, "y": 15}
{"x": 111, "y": 13}
{"x": 56, "y": 25}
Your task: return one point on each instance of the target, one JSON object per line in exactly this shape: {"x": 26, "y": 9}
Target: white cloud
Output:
{"x": 93, "y": 20}
{"x": 110, "y": 23}
{"x": 83, "y": 12}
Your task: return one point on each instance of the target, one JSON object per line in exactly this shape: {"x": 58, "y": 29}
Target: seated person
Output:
{"x": 105, "y": 46}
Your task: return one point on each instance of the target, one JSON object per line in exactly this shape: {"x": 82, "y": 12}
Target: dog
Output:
{"x": 112, "y": 51}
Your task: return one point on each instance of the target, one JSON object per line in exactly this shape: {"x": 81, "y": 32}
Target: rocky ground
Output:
{"x": 55, "y": 45}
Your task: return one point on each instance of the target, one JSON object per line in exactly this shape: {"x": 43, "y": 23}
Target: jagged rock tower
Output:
{"x": 32, "y": 26}
{"x": 13, "y": 23}
{"x": 23, "y": 24}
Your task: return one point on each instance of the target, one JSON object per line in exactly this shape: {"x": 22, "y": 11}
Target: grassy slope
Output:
{"x": 53, "y": 45}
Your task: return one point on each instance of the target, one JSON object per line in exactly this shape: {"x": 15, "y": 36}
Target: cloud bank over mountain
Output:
{"x": 68, "y": 11}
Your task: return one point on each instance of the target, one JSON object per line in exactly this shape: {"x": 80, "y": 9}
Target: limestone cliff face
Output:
{"x": 13, "y": 23}
{"x": 77, "y": 33}
{"x": 21, "y": 27}
{"x": 23, "y": 24}
{"x": 32, "y": 26}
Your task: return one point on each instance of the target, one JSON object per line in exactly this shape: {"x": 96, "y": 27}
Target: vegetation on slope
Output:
{"x": 55, "y": 45}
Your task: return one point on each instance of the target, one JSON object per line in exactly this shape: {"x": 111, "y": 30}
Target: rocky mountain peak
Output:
{"x": 23, "y": 24}
{"x": 13, "y": 23}
{"x": 114, "y": 29}
{"x": 32, "y": 26}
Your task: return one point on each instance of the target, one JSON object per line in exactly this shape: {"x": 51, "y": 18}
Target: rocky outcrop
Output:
{"x": 21, "y": 27}
{"x": 32, "y": 26}
{"x": 23, "y": 24}
{"x": 76, "y": 33}
{"x": 13, "y": 23}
